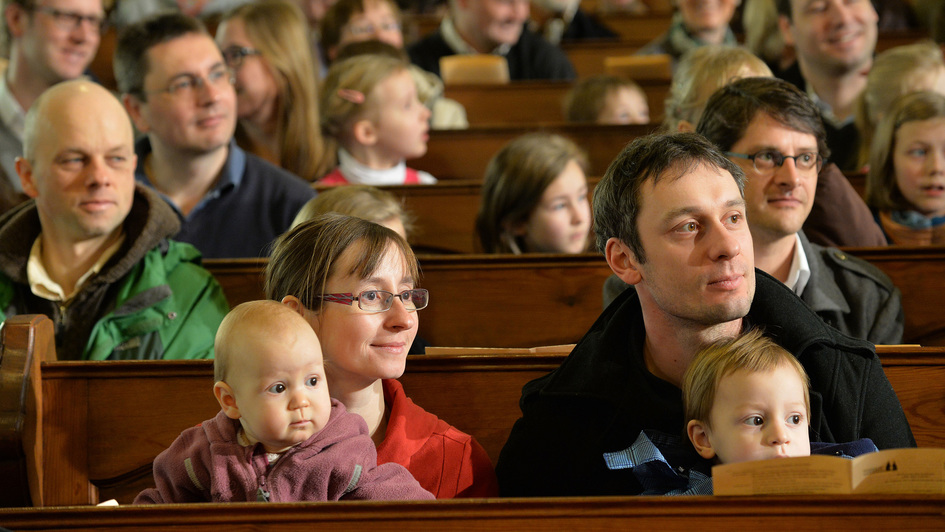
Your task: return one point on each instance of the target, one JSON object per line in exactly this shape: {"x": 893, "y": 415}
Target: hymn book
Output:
{"x": 910, "y": 471}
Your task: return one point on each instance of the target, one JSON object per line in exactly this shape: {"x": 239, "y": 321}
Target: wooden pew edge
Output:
{"x": 545, "y": 509}
{"x": 31, "y": 341}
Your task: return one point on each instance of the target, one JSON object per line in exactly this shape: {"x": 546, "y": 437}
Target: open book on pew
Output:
{"x": 544, "y": 350}
{"x": 904, "y": 471}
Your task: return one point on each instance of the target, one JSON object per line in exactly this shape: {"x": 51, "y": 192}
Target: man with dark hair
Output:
{"x": 48, "y": 41}
{"x": 669, "y": 216}
{"x": 493, "y": 27}
{"x": 91, "y": 250}
{"x": 774, "y": 133}
{"x": 179, "y": 92}
{"x": 834, "y": 41}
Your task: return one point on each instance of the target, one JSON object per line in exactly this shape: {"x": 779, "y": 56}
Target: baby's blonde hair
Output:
{"x": 262, "y": 315}
{"x": 700, "y": 73}
{"x": 348, "y": 90}
{"x": 750, "y": 352}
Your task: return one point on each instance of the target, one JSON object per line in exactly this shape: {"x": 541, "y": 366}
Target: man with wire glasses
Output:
{"x": 48, "y": 41}
{"x": 178, "y": 89}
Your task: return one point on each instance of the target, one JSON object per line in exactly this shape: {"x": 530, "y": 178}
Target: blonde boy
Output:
{"x": 747, "y": 399}
{"x": 279, "y": 436}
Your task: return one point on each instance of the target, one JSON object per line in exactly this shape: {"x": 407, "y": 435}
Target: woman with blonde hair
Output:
{"x": 534, "y": 198}
{"x": 700, "y": 73}
{"x": 266, "y": 44}
{"x": 897, "y": 71}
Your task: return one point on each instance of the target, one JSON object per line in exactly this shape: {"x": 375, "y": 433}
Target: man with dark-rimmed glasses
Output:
{"x": 48, "y": 41}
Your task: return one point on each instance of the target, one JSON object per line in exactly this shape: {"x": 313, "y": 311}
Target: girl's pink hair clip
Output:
{"x": 351, "y": 95}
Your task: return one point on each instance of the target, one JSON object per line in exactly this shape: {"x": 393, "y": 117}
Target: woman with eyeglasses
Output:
{"x": 354, "y": 281}
{"x": 266, "y": 45}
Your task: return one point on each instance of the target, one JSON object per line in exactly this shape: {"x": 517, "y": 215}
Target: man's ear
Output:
{"x": 16, "y": 18}
{"x": 700, "y": 439}
{"x": 227, "y": 400}
{"x": 25, "y": 170}
{"x": 622, "y": 261}
{"x": 787, "y": 30}
{"x": 364, "y": 132}
{"x": 133, "y": 105}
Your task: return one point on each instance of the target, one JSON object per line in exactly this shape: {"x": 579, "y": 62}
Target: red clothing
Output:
{"x": 335, "y": 177}
{"x": 446, "y": 462}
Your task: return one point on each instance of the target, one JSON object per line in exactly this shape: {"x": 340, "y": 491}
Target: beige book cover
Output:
{"x": 912, "y": 471}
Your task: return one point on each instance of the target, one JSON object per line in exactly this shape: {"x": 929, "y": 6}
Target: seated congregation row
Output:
{"x": 669, "y": 316}
{"x": 92, "y": 251}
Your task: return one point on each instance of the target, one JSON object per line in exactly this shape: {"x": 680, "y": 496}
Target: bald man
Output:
{"x": 91, "y": 250}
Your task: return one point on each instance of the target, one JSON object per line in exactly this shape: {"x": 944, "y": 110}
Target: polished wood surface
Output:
{"x": 26, "y": 341}
{"x": 464, "y": 154}
{"x": 537, "y": 299}
{"x": 665, "y": 514}
{"x": 104, "y": 425}
{"x": 536, "y": 102}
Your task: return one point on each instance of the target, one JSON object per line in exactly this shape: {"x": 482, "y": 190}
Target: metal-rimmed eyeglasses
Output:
{"x": 70, "y": 20}
{"x": 233, "y": 55}
{"x": 381, "y": 300}
{"x": 187, "y": 85}
{"x": 765, "y": 161}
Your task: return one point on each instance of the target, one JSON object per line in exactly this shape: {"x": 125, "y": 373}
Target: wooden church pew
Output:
{"x": 26, "y": 341}
{"x": 464, "y": 154}
{"x": 106, "y": 421}
{"x": 493, "y": 300}
{"x": 445, "y": 214}
{"x": 670, "y": 514}
{"x": 535, "y": 102}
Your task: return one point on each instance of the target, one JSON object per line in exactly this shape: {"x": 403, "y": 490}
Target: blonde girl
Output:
{"x": 370, "y": 108}
{"x": 906, "y": 182}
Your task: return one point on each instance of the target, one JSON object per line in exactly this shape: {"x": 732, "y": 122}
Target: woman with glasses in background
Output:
{"x": 266, "y": 45}
{"x": 354, "y": 281}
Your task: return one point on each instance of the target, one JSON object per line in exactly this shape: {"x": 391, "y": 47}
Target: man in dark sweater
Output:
{"x": 497, "y": 27}
{"x": 179, "y": 92}
{"x": 669, "y": 216}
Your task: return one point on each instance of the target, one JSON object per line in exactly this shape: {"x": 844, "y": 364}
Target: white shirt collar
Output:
{"x": 800, "y": 269}
{"x": 460, "y": 46}
{"x": 359, "y": 174}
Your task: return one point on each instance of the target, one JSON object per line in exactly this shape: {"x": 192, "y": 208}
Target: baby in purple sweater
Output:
{"x": 279, "y": 436}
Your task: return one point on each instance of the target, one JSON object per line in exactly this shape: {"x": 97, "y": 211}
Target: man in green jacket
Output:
{"x": 90, "y": 250}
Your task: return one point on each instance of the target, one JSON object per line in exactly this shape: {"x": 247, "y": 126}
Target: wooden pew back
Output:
{"x": 106, "y": 421}
{"x": 464, "y": 154}
{"x": 536, "y": 102}
{"x": 529, "y": 300}
{"x": 26, "y": 341}
{"x": 669, "y": 514}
